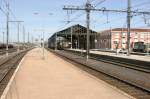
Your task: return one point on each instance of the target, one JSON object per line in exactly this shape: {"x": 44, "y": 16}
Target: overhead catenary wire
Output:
{"x": 12, "y": 14}
{"x": 81, "y": 14}
{"x": 78, "y": 16}
{"x": 10, "y": 11}
{"x": 134, "y": 6}
{"x": 2, "y": 8}
{"x": 3, "y": 11}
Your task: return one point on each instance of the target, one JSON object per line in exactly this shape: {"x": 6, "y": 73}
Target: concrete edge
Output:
{"x": 3, "y": 96}
{"x": 118, "y": 57}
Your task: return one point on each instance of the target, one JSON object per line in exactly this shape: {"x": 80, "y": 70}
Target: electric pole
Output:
{"x": 18, "y": 35}
{"x": 18, "y": 22}
{"x": 128, "y": 26}
{"x": 7, "y": 28}
{"x": 32, "y": 40}
{"x": 3, "y": 37}
{"x": 88, "y": 8}
{"x": 28, "y": 37}
{"x": 23, "y": 37}
{"x": 71, "y": 36}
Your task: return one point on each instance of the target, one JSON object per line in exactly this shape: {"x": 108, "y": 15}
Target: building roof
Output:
{"x": 125, "y": 29}
{"x": 132, "y": 29}
{"x": 76, "y": 30}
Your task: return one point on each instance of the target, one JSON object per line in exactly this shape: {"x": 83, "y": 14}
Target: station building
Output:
{"x": 75, "y": 34}
{"x": 117, "y": 38}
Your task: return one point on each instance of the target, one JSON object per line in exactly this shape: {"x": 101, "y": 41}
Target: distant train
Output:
{"x": 141, "y": 47}
{"x": 2, "y": 46}
{"x": 60, "y": 45}
{"x": 63, "y": 45}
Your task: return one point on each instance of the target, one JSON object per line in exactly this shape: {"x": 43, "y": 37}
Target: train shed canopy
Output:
{"x": 78, "y": 34}
{"x": 76, "y": 30}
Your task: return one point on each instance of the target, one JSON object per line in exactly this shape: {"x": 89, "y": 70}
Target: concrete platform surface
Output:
{"x": 54, "y": 78}
{"x": 133, "y": 57}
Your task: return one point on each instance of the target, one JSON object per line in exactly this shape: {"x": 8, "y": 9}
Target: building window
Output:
{"x": 123, "y": 41}
{"x": 123, "y": 34}
{"x": 117, "y": 34}
{"x": 116, "y": 42}
{"x": 135, "y": 40}
{"x": 142, "y": 35}
{"x": 136, "y": 33}
{"x": 135, "y": 37}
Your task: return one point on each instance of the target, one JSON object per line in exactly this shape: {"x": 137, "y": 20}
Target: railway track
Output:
{"x": 7, "y": 67}
{"x": 134, "y": 90}
{"x": 112, "y": 60}
{"x": 3, "y": 51}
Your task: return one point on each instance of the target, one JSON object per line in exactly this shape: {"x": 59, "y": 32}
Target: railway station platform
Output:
{"x": 55, "y": 78}
{"x": 120, "y": 55}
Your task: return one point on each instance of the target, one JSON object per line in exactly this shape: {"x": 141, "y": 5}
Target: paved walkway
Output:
{"x": 54, "y": 78}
